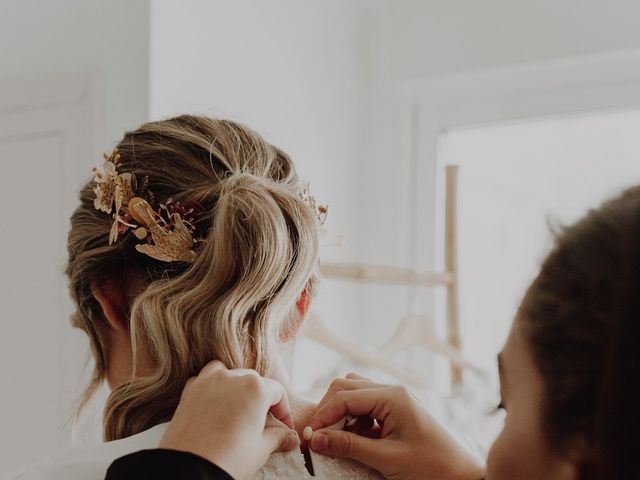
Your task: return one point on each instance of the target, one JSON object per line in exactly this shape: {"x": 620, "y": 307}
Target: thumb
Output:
{"x": 338, "y": 443}
{"x": 280, "y": 439}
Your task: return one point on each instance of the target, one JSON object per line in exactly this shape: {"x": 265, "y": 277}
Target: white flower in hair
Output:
{"x": 321, "y": 211}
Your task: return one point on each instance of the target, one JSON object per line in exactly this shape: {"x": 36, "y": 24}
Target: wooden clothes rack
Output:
{"x": 399, "y": 276}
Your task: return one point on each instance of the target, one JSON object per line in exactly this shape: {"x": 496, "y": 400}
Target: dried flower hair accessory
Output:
{"x": 171, "y": 226}
{"x": 172, "y": 241}
{"x": 321, "y": 211}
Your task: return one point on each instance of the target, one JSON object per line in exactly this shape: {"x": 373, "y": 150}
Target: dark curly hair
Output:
{"x": 581, "y": 317}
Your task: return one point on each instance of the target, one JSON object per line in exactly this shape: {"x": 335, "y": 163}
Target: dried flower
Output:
{"x": 170, "y": 227}
{"x": 120, "y": 225}
{"x": 169, "y": 209}
{"x": 320, "y": 211}
{"x": 141, "y": 233}
{"x": 106, "y": 179}
{"x": 123, "y": 191}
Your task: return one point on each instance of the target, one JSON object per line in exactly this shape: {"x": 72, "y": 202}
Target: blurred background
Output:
{"x": 536, "y": 102}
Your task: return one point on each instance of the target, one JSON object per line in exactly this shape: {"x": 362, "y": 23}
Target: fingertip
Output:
{"x": 279, "y": 402}
{"x": 282, "y": 439}
{"x": 315, "y": 424}
{"x": 288, "y": 421}
{"x": 324, "y": 419}
{"x": 319, "y": 419}
{"x": 212, "y": 366}
{"x": 290, "y": 442}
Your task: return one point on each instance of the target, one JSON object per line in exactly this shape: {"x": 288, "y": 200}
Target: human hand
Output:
{"x": 411, "y": 443}
{"x": 222, "y": 415}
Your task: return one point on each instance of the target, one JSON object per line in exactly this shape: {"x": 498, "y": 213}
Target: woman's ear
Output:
{"x": 579, "y": 456}
{"x": 111, "y": 299}
{"x": 110, "y": 294}
{"x": 302, "y": 305}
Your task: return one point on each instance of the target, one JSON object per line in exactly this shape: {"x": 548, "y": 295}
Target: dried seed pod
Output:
{"x": 141, "y": 233}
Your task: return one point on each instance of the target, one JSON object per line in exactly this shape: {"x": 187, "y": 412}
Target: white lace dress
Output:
{"x": 91, "y": 463}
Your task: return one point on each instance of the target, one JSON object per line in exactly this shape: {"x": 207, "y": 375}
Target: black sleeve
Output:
{"x": 162, "y": 464}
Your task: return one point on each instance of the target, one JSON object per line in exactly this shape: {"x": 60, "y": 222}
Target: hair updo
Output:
{"x": 258, "y": 253}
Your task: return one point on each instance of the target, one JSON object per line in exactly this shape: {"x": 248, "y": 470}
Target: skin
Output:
{"x": 405, "y": 442}
{"x": 521, "y": 450}
{"x": 118, "y": 349}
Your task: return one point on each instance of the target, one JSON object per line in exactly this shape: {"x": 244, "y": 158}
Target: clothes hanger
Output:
{"x": 415, "y": 329}
{"x": 315, "y": 329}
{"x": 418, "y": 330}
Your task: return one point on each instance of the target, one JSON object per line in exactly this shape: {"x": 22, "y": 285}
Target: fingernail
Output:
{"x": 319, "y": 441}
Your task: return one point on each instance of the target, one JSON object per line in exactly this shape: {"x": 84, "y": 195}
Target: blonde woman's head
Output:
{"x": 254, "y": 266}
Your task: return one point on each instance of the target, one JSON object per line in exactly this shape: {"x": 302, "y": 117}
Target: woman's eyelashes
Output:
{"x": 499, "y": 407}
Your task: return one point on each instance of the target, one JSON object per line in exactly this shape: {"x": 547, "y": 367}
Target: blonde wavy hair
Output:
{"x": 259, "y": 253}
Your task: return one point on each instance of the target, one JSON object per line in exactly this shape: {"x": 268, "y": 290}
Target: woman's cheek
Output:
{"x": 505, "y": 460}
{"x": 497, "y": 461}
{"x": 519, "y": 453}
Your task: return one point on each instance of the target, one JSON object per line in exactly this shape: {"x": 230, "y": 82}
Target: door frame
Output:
{"x": 70, "y": 108}
{"x": 431, "y": 106}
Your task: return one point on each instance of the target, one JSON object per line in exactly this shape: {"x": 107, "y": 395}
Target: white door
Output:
{"x": 47, "y": 142}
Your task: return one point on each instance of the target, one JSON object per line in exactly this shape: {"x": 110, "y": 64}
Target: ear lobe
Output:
{"x": 111, "y": 300}
{"x": 578, "y": 459}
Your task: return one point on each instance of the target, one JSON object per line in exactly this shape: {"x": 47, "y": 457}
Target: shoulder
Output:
{"x": 88, "y": 462}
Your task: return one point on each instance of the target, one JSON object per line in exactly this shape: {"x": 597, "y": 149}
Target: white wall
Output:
{"x": 40, "y": 38}
{"x": 433, "y": 37}
{"x": 73, "y": 76}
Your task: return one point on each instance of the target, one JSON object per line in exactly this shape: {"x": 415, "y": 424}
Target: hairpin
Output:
{"x": 171, "y": 226}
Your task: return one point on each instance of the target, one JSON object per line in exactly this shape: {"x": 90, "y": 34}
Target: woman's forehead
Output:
{"x": 515, "y": 360}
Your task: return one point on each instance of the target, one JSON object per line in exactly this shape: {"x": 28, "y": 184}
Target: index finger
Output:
{"x": 363, "y": 402}
{"x": 278, "y": 402}
{"x": 212, "y": 366}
